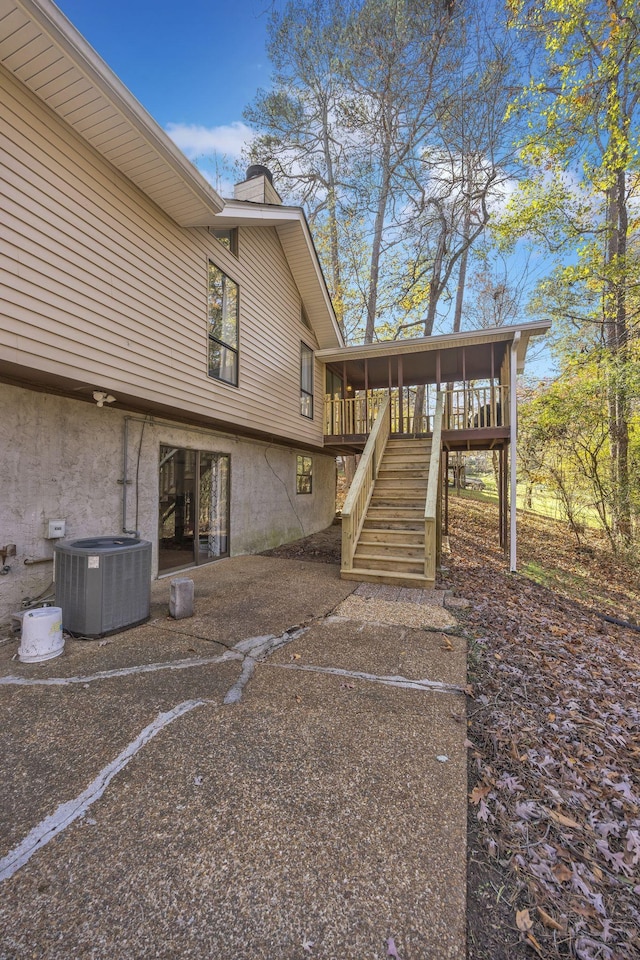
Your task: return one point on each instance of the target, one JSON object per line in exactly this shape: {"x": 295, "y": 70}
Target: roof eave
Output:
{"x": 439, "y": 342}
{"x": 204, "y": 202}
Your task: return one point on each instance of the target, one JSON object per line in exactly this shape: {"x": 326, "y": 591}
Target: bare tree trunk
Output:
{"x": 374, "y": 272}
{"x": 616, "y": 340}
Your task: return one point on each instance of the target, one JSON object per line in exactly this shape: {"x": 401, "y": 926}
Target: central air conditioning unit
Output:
{"x": 103, "y": 584}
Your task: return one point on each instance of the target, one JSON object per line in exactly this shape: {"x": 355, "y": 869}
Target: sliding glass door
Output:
{"x": 193, "y": 507}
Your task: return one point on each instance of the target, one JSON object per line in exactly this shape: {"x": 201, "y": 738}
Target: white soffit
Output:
{"x": 293, "y": 232}
{"x": 43, "y": 50}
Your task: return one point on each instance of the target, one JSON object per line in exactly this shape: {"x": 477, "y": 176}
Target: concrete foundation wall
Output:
{"x": 63, "y": 459}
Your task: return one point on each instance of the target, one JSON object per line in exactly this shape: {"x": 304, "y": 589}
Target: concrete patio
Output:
{"x": 282, "y": 775}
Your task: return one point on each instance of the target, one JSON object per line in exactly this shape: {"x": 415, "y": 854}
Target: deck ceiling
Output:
{"x": 473, "y": 355}
{"x": 43, "y": 50}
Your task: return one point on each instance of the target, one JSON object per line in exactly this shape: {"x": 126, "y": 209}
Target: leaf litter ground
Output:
{"x": 554, "y": 825}
{"x": 554, "y": 728}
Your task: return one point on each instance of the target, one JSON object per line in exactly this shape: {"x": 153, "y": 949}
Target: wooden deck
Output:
{"x": 474, "y": 418}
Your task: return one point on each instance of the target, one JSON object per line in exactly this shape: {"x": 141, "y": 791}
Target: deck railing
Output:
{"x": 357, "y": 502}
{"x": 355, "y": 416}
{"x": 432, "y": 503}
{"x": 470, "y": 408}
{"x": 351, "y": 416}
{"x": 465, "y": 408}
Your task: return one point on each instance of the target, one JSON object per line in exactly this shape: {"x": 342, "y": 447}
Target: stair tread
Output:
{"x": 393, "y": 543}
{"x": 355, "y": 572}
{"x": 387, "y": 558}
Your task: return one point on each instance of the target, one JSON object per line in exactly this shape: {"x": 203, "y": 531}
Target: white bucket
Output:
{"x": 41, "y": 635}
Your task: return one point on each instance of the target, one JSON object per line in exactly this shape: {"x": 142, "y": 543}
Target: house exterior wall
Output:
{"x": 62, "y": 459}
{"x": 102, "y": 288}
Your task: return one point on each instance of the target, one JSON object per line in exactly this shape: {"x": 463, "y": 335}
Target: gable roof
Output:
{"x": 293, "y": 232}
{"x": 50, "y": 57}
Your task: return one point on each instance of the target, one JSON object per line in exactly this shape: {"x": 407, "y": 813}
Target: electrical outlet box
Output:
{"x": 57, "y": 529}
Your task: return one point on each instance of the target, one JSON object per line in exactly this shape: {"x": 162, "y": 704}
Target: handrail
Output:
{"x": 357, "y": 502}
{"x": 433, "y": 491}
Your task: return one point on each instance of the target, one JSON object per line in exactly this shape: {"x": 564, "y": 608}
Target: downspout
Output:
{"x": 125, "y": 479}
{"x": 513, "y": 406}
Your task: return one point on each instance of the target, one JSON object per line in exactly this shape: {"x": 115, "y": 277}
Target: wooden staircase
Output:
{"x": 391, "y": 546}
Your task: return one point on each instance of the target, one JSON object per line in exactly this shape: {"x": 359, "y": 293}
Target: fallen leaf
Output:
{"x": 534, "y": 943}
{"x": 446, "y": 643}
{"x": 391, "y": 949}
{"x": 296, "y": 656}
{"x": 523, "y": 920}
{"x": 564, "y": 821}
{"x": 561, "y": 872}
{"x": 549, "y": 920}
{"x": 298, "y": 699}
{"x": 479, "y": 793}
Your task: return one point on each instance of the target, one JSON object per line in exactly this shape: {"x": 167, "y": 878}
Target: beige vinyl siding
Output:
{"x": 100, "y": 286}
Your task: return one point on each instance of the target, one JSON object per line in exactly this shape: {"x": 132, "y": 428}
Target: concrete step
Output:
{"x": 390, "y": 580}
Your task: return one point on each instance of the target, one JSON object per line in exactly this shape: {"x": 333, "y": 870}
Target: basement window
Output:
{"x": 304, "y": 474}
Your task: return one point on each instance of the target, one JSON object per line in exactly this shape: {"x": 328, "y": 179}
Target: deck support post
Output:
{"x": 366, "y": 396}
{"x": 513, "y": 463}
{"x": 501, "y": 495}
{"x": 446, "y": 493}
{"x": 400, "y": 397}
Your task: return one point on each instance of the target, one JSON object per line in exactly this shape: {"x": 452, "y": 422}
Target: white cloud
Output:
{"x": 194, "y": 140}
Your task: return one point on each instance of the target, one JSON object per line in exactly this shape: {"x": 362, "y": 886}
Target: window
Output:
{"x": 227, "y": 237}
{"x": 333, "y": 384}
{"x": 304, "y": 474}
{"x": 306, "y": 381}
{"x": 223, "y": 326}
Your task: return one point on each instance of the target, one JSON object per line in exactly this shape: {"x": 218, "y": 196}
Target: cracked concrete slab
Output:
{"x": 61, "y": 736}
{"x": 374, "y": 648}
{"x": 315, "y": 808}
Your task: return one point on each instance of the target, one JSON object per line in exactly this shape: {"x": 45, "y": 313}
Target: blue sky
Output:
{"x": 193, "y": 65}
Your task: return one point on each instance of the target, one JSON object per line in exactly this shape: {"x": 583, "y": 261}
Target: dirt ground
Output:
{"x": 553, "y": 727}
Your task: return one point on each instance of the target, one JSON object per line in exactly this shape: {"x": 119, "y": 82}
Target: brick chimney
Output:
{"x": 258, "y": 186}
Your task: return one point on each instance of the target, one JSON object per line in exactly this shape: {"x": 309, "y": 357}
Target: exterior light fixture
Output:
{"x": 101, "y": 397}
